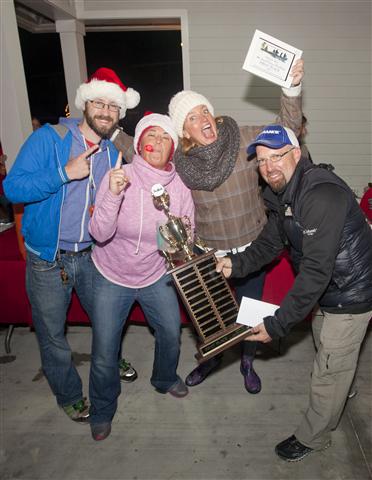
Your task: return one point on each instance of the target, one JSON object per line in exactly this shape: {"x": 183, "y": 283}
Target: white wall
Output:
{"x": 15, "y": 116}
{"x": 336, "y": 38}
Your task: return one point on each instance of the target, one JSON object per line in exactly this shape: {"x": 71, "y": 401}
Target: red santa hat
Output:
{"x": 105, "y": 83}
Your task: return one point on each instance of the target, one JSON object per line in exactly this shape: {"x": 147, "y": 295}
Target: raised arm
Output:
{"x": 110, "y": 195}
{"x": 290, "y": 113}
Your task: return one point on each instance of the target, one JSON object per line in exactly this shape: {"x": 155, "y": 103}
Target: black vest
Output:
{"x": 351, "y": 281}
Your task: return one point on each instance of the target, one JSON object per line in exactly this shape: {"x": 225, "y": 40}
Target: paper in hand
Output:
{"x": 252, "y": 312}
{"x": 271, "y": 59}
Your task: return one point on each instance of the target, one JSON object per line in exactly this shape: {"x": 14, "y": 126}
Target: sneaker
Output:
{"x": 291, "y": 450}
{"x": 252, "y": 381}
{"x": 127, "y": 372}
{"x": 201, "y": 372}
{"x": 179, "y": 389}
{"x": 78, "y": 412}
{"x": 100, "y": 431}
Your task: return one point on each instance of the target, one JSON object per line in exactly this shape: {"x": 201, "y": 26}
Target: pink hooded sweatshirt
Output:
{"x": 125, "y": 226}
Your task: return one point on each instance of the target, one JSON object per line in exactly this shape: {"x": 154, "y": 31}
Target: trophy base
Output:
{"x": 213, "y": 347}
{"x": 210, "y": 304}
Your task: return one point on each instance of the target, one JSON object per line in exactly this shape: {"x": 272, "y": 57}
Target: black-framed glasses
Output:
{"x": 100, "y": 105}
{"x": 276, "y": 157}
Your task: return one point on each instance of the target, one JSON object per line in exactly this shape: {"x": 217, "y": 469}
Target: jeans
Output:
{"x": 112, "y": 304}
{"x": 250, "y": 286}
{"x": 50, "y": 300}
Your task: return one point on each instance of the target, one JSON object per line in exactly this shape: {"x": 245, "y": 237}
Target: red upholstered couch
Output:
{"x": 15, "y": 308}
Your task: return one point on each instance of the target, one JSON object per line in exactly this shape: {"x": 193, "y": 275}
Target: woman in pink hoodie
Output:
{"x": 130, "y": 268}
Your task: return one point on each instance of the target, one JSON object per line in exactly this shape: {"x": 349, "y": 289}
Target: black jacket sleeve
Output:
{"x": 322, "y": 218}
{"x": 267, "y": 246}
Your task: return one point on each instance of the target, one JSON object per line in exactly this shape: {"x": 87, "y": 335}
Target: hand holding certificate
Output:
{"x": 252, "y": 312}
{"x": 271, "y": 59}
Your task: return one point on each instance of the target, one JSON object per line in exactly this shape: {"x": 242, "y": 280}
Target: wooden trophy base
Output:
{"x": 211, "y": 305}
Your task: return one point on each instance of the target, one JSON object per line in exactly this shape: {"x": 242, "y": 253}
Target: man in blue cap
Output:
{"x": 314, "y": 213}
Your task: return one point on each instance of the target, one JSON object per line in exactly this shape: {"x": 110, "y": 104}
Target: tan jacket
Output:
{"x": 233, "y": 214}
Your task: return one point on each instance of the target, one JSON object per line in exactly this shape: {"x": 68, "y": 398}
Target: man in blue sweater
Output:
{"x": 56, "y": 175}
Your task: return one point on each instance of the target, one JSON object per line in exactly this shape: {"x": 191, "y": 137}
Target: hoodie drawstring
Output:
{"x": 140, "y": 233}
{"x": 109, "y": 158}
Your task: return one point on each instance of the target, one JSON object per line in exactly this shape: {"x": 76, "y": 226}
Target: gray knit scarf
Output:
{"x": 207, "y": 167}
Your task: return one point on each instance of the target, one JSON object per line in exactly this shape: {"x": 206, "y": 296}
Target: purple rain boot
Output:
{"x": 201, "y": 372}
{"x": 252, "y": 381}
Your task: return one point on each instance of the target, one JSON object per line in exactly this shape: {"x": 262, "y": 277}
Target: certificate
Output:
{"x": 252, "y": 312}
{"x": 271, "y": 59}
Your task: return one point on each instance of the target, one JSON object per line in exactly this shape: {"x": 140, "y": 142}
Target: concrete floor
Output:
{"x": 217, "y": 432}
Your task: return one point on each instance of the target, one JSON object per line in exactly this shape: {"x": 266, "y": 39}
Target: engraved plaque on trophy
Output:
{"x": 205, "y": 293}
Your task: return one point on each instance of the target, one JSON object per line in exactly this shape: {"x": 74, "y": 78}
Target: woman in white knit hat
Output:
{"x": 129, "y": 266}
{"x": 229, "y": 212}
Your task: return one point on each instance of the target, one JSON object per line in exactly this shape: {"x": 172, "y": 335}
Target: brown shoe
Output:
{"x": 100, "y": 431}
{"x": 179, "y": 389}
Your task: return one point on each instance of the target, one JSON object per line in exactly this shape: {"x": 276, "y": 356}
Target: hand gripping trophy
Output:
{"x": 205, "y": 293}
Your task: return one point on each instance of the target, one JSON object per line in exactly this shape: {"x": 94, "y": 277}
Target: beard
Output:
{"x": 279, "y": 185}
{"x": 104, "y": 132}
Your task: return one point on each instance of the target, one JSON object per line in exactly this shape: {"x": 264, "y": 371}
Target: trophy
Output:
{"x": 177, "y": 231}
{"x": 205, "y": 293}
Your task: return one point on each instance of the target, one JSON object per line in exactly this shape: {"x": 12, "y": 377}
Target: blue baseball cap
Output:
{"x": 273, "y": 136}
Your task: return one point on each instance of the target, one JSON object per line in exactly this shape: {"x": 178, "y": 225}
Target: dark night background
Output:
{"x": 149, "y": 62}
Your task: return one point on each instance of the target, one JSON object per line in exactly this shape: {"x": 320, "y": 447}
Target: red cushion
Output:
{"x": 9, "y": 246}
{"x": 15, "y": 307}
{"x": 279, "y": 279}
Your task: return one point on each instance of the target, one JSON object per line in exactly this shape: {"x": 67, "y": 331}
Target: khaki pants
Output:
{"x": 338, "y": 338}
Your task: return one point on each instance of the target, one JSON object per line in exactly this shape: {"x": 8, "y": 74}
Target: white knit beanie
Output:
{"x": 104, "y": 82}
{"x": 182, "y": 103}
{"x": 154, "y": 120}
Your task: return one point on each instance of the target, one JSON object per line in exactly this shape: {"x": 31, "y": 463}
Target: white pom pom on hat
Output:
{"x": 182, "y": 103}
{"x": 104, "y": 82}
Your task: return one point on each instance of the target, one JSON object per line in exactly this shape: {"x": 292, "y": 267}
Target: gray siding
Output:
{"x": 336, "y": 39}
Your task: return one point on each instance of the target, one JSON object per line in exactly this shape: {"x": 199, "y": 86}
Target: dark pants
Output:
{"x": 252, "y": 287}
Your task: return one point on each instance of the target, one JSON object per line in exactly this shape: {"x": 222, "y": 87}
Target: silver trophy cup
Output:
{"x": 176, "y": 231}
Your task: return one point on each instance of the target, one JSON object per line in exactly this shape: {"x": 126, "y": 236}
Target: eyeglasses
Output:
{"x": 101, "y": 105}
{"x": 273, "y": 158}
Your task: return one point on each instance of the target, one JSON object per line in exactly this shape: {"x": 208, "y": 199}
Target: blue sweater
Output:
{"x": 53, "y": 204}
